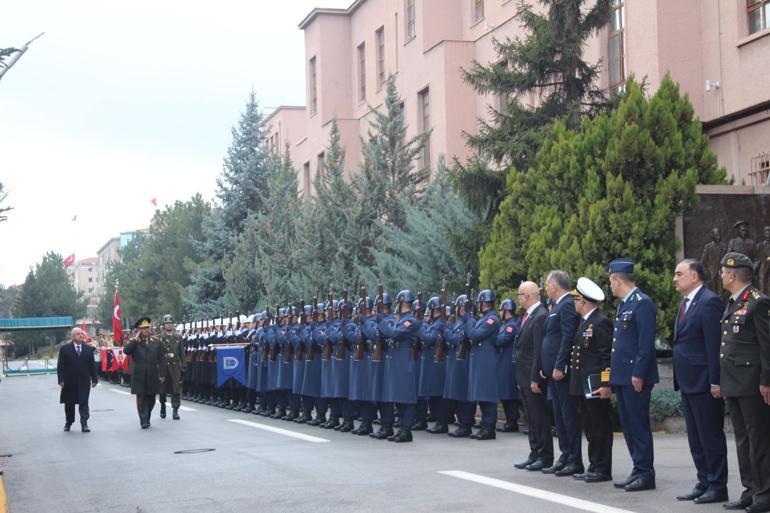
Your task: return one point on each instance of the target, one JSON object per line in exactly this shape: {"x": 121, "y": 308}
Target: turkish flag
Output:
{"x": 154, "y": 202}
{"x": 117, "y": 325}
{"x": 69, "y": 260}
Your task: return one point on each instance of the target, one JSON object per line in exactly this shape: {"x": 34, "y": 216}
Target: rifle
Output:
{"x": 341, "y": 346}
{"x": 277, "y": 325}
{"x": 378, "y": 343}
{"x": 327, "y": 352}
{"x": 440, "y": 348}
{"x": 361, "y": 310}
{"x": 289, "y": 354}
{"x": 311, "y": 349}
{"x": 301, "y": 346}
{"x": 462, "y": 351}
{"x": 420, "y": 314}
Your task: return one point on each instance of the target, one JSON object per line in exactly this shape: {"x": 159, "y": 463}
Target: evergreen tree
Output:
{"x": 613, "y": 189}
{"x": 239, "y": 191}
{"x": 3, "y": 210}
{"x": 7, "y": 300}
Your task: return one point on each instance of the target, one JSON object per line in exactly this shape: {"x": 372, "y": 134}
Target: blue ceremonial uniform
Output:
{"x": 431, "y": 382}
{"x": 359, "y": 386}
{"x": 327, "y": 376}
{"x": 560, "y": 328}
{"x": 400, "y": 385}
{"x": 633, "y": 354}
{"x": 456, "y": 374}
{"x": 253, "y": 359}
{"x": 297, "y": 340}
{"x": 482, "y": 372}
{"x": 342, "y": 340}
{"x": 506, "y": 370}
{"x": 285, "y": 370}
{"x": 311, "y": 383}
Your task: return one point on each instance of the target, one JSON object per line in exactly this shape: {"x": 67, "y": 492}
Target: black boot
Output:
{"x": 347, "y": 426}
{"x": 461, "y": 432}
{"x": 403, "y": 435}
{"x": 278, "y": 414}
{"x": 438, "y": 429}
{"x": 485, "y": 433}
{"x": 175, "y": 414}
{"x": 332, "y": 423}
{"x": 364, "y": 429}
{"x": 302, "y": 419}
{"x": 317, "y": 421}
{"x": 385, "y": 431}
{"x": 419, "y": 426}
{"x": 162, "y": 410}
{"x": 509, "y": 427}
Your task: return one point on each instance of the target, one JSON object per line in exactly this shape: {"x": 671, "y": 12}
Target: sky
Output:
{"x": 120, "y": 103}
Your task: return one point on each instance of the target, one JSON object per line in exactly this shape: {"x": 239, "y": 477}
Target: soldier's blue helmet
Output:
{"x": 321, "y": 307}
{"x": 405, "y": 296}
{"x": 507, "y": 305}
{"x": 345, "y": 306}
{"x": 461, "y": 300}
{"x": 367, "y": 303}
{"x": 386, "y": 299}
{"x": 486, "y": 296}
{"x": 308, "y": 309}
{"x": 282, "y": 312}
{"x": 434, "y": 303}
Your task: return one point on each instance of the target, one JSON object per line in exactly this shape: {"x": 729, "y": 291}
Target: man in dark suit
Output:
{"x": 591, "y": 360}
{"x": 744, "y": 367}
{"x": 697, "y": 335}
{"x": 560, "y": 328}
{"x": 76, "y": 370}
{"x": 527, "y": 348}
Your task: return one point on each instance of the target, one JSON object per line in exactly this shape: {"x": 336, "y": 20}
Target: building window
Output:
{"x": 478, "y": 10}
{"x": 411, "y": 25}
{"x": 306, "y": 179}
{"x": 615, "y": 50}
{"x": 313, "y": 86}
{"x": 380, "y": 38}
{"x": 362, "y": 72}
{"x": 758, "y": 12}
{"x": 321, "y": 168}
{"x": 424, "y": 106}
{"x": 90, "y": 280}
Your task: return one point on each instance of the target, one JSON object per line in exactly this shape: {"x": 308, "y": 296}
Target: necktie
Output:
{"x": 524, "y": 319}
{"x": 683, "y": 309}
{"x": 77, "y": 348}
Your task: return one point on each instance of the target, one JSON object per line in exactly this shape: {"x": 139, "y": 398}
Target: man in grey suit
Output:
{"x": 526, "y": 351}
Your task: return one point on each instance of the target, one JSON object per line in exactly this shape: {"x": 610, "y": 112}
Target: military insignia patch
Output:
{"x": 509, "y": 329}
{"x": 490, "y": 321}
{"x": 736, "y": 329}
{"x": 407, "y": 324}
{"x": 605, "y": 375}
{"x": 730, "y": 261}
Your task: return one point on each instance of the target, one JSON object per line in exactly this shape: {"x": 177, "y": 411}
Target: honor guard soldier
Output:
{"x": 314, "y": 364}
{"x": 400, "y": 387}
{"x": 301, "y": 338}
{"x": 433, "y": 365}
{"x": 345, "y": 340}
{"x": 385, "y": 321}
{"x": 251, "y": 376}
{"x": 175, "y": 365}
{"x": 482, "y": 371}
{"x": 456, "y": 375}
{"x": 147, "y": 369}
{"x": 360, "y": 388}
{"x": 589, "y": 379}
{"x": 634, "y": 371}
{"x": 506, "y": 367}
{"x": 328, "y": 367}
{"x": 744, "y": 363}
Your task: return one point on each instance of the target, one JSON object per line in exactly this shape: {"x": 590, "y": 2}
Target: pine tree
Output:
{"x": 613, "y": 189}
{"x": 240, "y": 194}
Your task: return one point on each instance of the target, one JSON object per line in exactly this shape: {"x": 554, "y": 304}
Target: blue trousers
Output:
{"x": 567, "y": 423}
{"x": 440, "y": 408}
{"x": 634, "y": 414}
{"x": 307, "y": 404}
{"x": 421, "y": 409}
{"x": 408, "y": 412}
{"x": 488, "y": 414}
{"x": 465, "y": 411}
{"x": 511, "y": 409}
{"x": 705, "y": 419}
{"x": 366, "y": 410}
{"x": 387, "y": 413}
{"x": 321, "y": 406}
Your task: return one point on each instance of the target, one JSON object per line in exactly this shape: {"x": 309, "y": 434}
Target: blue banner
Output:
{"x": 231, "y": 364}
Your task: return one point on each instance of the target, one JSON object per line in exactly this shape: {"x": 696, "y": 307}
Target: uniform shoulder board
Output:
{"x": 755, "y": 294}
{"x": 638, "y": 297}
{"x": 490, "y": 321}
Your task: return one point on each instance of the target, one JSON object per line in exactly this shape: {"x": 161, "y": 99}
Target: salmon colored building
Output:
{"x": 718, "y": 51}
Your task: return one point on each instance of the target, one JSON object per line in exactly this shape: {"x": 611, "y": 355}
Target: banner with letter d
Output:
{"x": 231, "y": 364}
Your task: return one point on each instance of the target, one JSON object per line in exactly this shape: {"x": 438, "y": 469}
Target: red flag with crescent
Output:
{"x": 117, "y": 325}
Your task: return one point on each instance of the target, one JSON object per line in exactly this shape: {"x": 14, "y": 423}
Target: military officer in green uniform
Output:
{"x": 174, "y": 357}
{"x": 147, "y": 369}
{"x": 744, "y": 367}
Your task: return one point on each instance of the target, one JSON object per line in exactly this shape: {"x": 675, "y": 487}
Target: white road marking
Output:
{"x": 285, "y": 432}
{"x": 557, "y": 498}
{"x": 183, "y": 408}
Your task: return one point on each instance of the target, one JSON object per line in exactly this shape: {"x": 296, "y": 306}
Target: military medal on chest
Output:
{"x": 587, "y": 334}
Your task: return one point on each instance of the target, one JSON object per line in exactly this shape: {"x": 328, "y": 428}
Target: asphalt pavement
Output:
{"x": 239, "y": 463}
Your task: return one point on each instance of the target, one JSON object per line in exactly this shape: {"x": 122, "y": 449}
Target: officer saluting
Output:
{"x": 174, "y": 358}
{"x": 634, "y": 371}
{"x": 591, "y": 360}
{"x": 744, "y": 366}
{"x": 147, "y": 369}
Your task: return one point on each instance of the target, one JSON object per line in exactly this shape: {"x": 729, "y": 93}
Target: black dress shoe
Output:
{"x": 346, "y": 427}
{"x": 538, "y": 465}
{"x": 175, "y": 414}
{"x": 67, "y": 426}
{"x": 622, "y": 484}
{"x": 145, "y": 425}
{"x": 419, "y": 426}
{"x": 759, "y": 507}
{"x": 694, "y": 494}
{"x": 365, "y": 428}
{"x": 524, "y": 464}
{"x": 461, "y": 432}
{"x": 711, "y": 496}
{"x": 739, "y": 504}
{"x": 640, "y": 485}
{"x": 485, "y": 434}
{"x": 569, "y": 470}
{"x": 385, "y": 432}
{"x": 581, "y": 476}
{"x": 438, "y": 429}
{"x": 84, "y": 428}
{"x": 508, "y": 427}
{"x": 595, "y": 477}
{"x": 302, "y": 419}
{"x": 554, "y": 468}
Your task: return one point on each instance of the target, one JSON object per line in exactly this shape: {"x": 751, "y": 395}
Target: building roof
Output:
{"x": 114, "y": 239}
{"x": 284, "y": 107}
{"x": 307, "y": 20}
{"x": 88, "y": 261}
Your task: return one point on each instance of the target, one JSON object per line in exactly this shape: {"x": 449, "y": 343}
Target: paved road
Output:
{"x": 121, "y": 468}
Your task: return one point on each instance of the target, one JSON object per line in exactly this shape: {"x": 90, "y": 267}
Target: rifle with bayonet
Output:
{"x": 420, "y": 315}
{"x": 327, "y": 350}
{"x": 341, "y": 345}
{"x": 379, "y": 342}
{"x": 311, "y": 349}
{"x": 440, "y": 347}
{"x": 360, "y": 351}
{"x": 465, "y": 344}
{"x": 277, "y": 326}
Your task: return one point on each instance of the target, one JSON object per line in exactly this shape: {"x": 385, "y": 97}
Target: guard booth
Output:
{"x": 27, "y": 366}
